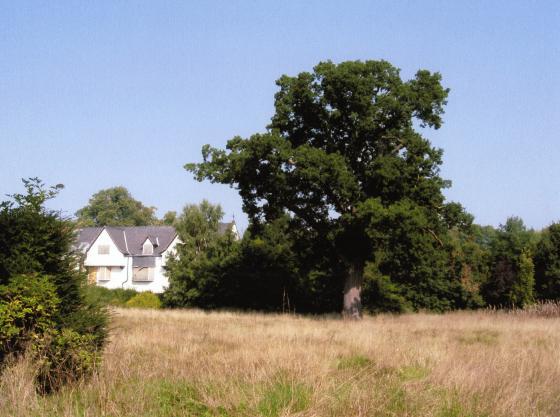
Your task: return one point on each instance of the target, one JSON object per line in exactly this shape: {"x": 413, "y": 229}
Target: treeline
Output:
{"x": 276, "y": 267}
{"x": 271, "y": 269}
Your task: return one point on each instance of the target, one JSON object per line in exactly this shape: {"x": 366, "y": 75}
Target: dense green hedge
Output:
{"x": 117, "y": 297}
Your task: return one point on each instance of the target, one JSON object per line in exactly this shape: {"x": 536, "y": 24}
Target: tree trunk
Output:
{"x": 352, "y": 292}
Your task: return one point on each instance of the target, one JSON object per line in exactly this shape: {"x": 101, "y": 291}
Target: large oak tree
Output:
{"x": 344, "y": 160}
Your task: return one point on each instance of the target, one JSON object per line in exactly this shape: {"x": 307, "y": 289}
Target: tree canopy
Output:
{"x": 343, "y": 160}
{"x": 115, "y": 207}
{"x": 547, "y": 264}
{"x": 511, "y": 279}
{"x": 199, "y": 262}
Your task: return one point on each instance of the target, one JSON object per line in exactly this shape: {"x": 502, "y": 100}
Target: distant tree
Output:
{"x": 197, "y": 226}
{"x": 195, "y": 273}
{"x": 115, "y": 207}
{"x": 169, "y": 218}
{"x": 547, "y": 264}
{"x": 470, "y": 260}
{"x": 342, "y": 151}
{"x": 511, "y": 280}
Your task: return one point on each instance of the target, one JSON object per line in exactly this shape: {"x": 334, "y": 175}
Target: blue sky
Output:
{"x": 105, "y": 93}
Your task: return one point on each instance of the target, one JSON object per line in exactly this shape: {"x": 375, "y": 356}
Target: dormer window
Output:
{"x": 147, "y": 248}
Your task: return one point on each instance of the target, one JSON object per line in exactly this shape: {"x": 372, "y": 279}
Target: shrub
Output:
{"x": 114, "y": 297}
{"x": 63, "y": 357}
{"x": 27, "y": 324}
{"x": 144, "y": 300}
{"x": 29, "y": 305}
{"x": 45, "y": 308}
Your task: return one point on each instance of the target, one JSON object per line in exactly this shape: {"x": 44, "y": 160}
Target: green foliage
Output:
{"x": 522, "y": 288}
{"x": 144, "y": 300}
{"x": 261, "y": 274}
{"x": 197, "y": 226}
{"x": 44, "y": 306}
{"x": 64, "y": 356}
{"x": 119, "y": 297}
{"x": 470, "y": 261}
{"x": 196, "y": 272}
{"x": 547, "y": 264}
{"x": 341, "y": 144}
{"x": 27, "y": 324}
{"x": 511, "y": 278}
{"x": 265, "y": 271}
{"x": 114, "y": 297}
{"x": 115, "y": 207}
{"x": 28, "y": 309}
{"x": 380, "y": 294}
{"x": 169, "y": 218}
{"x": 34, "y": 240}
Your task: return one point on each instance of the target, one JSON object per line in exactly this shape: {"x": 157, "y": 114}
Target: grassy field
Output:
{"x": 191, "y": 363}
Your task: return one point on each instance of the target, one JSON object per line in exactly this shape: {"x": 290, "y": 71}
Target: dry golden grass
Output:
{"x": 192, "y": 363}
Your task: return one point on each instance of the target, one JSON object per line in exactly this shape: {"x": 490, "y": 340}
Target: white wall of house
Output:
{"x": 170, "y": 250}
{"x": 121, "y": 271}
{"x": 235, "y": 231}
{"x": 160, "y": 282}
{"x": 157, "y": 285}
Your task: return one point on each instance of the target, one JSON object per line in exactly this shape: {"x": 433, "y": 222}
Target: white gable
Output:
{"x": 97, "y": 253}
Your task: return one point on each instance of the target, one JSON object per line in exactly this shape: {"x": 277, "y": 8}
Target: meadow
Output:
{"x": 195, "y": 363}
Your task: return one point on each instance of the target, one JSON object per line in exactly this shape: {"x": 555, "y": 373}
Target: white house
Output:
{"x": 130, "y": 257}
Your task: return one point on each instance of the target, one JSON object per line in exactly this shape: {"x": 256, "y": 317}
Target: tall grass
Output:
{"x": 194, "y": 363}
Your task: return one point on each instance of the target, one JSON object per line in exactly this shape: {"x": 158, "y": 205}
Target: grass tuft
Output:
{"x": 284, "y": 397}
{"x": 354, "y": 362}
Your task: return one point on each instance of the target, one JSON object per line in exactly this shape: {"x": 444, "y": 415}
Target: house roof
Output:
{"x": 129, "y": 240}
{"x": 85, "y": 237}
{"x": 225, "y": 227}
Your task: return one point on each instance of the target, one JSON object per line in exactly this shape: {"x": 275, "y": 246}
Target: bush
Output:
{"x": 144, "y": 300}
{"x": 27, "y": 324}
{"x": 45, "y": 309}
{"x": 29, "y": 305}
{"x": 114, "y": 297}
{"x": 64, "y": 357}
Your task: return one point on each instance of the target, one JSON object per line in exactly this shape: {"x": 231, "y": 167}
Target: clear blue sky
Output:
{"x": 95, "y": 94}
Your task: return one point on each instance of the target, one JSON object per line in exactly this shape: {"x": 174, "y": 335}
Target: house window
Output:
{"x": 103, "y": 250}
{"x": 147, "y": 248}
{"x": 143, "y": 274}
{"x": 104, "y": 273}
